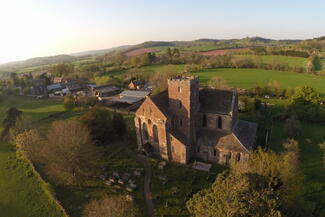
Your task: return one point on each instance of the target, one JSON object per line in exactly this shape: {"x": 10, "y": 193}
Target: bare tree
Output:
{"x": 218, "y": 82}
{"x": 69, "y": 155}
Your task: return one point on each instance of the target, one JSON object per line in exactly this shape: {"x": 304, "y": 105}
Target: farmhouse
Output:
{"x": 132, "y": 96}
{"x": 186, "y": 122}
{"x": 136, "y": 85}
{"x": 38, "y": 87}
{"x": 105, "y": 90}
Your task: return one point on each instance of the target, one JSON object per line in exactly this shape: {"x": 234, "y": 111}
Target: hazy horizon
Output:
{"x": 35, "y": 28}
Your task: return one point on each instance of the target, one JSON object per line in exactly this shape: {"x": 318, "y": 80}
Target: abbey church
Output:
{"x": 187, "y": 122}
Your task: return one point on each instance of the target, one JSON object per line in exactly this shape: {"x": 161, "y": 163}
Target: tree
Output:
{"x": 62, "y": 70}
{"x": 114, "y": 206}
{"x": 69, "y": 155}
{"x": 247, "y": 103}
{"x": 14, "y": 80}
{"x": 305, "y": 103}
{"x": 159, "y": 79}
{"x": 305, "y": 94}
{"x": 218, "y": 82}
{"x": 12, "y": 116}
{"x": 119, "y": 124}
{"x": 313, "y": 64}
{"x": 28, "y": 145}
{"x": 100, "y": 123}
{"x": 276, "y": 87}
{"x": 236, "y": 195}
{"x": 322, "y": 147}
{"x": 292, "y": 128}
{"x": 283, "y": 174}
{"x": 104, "y": 80}
{"x": 68, "y": 103}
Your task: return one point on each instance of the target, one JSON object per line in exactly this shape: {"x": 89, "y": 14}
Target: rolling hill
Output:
{"x": 199, "y": 45}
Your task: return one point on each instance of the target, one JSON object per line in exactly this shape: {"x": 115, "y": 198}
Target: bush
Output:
{"x": 69, "y": 155}
{"x": 218, "y": 82}
{"x": 68, "y": 103}
{"x": 292, "y": 128}
{"x": 105, "y": 127}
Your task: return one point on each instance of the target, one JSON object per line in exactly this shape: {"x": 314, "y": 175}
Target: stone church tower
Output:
{"x": 186, "y": 122}
{"x": 183, "y": 95}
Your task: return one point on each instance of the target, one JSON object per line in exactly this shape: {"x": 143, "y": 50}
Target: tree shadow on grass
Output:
{"x": 10, "y": 211}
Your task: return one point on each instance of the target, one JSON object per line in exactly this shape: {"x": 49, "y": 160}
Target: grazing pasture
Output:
{"x": 247, "y": 78}
{"x": 21, "y": 193}
{"x": 291, "y": 61}
{"x": 221, "y": 51}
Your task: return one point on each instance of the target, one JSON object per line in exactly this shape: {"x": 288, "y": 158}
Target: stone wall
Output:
{"x": 179, "y": 151}
{"x": 212, "y": 121}
{"x": 151, "y": 116}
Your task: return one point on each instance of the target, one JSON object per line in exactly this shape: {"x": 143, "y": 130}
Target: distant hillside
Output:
{"x": 200, "y": 45}
{"x": 37, "y": 61}
{"x": 101, "y": 52}
{"x": 206, "y": 44}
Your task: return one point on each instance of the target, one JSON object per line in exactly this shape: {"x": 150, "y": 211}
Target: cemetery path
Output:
{"x": 147, "y": 180}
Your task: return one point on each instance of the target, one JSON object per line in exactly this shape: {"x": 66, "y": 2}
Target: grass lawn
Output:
{"x": 116, "y": 160}
{"x": 247, "y": 78}
{"x": 291, "y": 61}
{"x": 175, "y": 184}
{"x": 20, "y": 192}
{"x": 34, "y": 108}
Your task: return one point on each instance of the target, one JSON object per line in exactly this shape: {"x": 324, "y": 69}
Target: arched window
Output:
{"x": 219, "y": 122}
{"x": 180, "y": 104}
{"x": 145, "y": 131}
{"x": 238, "y": 157}
{"x": 179, "y": 89}
{"x": 204, "y": 121}
{"x": 155, "y": 134}
{"x": 214, "y": 152}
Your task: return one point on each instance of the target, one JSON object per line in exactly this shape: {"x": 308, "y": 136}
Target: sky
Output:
{"x": 32, "y": 28}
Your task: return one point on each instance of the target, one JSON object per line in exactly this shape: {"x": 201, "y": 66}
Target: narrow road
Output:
{"x": 147, "y": 180}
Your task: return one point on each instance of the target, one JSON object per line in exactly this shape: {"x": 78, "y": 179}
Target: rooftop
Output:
{"x": 246, "y": 131}
{"x": 216, "y": 100}
{"x": 135, "y": 93}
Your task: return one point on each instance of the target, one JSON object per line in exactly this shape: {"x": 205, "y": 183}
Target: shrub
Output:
{"x": 218, "y": 82}
{"x": 68, "y": 102}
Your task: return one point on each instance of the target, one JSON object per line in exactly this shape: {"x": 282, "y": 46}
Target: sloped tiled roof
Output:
{"x": 216, "y": 100}
{"x": 106, "y": 88}
{"x": 162, "y": 102}
{"x": 245, "y": 131}
{"x": 54, "y": 86}
{"x": 241, "y": 140}
{"x": 135, "y": 93}
{"x": 209, "y": 137}
{"x": 220, "y": 140}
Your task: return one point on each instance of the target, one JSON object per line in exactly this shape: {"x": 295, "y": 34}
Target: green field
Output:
{"x": 291, "y": 61}
{"x": 21, "y": 194}
{"x": 247, "y": 78}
